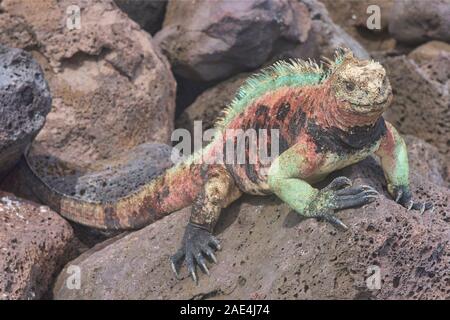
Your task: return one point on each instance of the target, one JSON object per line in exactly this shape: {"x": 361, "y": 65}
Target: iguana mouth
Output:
{"x": 372, "y": 104}
{"x": 376, "y": 105}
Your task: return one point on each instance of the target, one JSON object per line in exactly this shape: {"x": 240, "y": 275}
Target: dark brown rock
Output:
{"x": 421, "y": 99}
{"x": 427, "y": 162}
{"x": 269, "y": 252}
{"x": 35, "y": 243}
{"x": 211, "y": 40}
{"x": 149, "y": 14}
{"x": 417, "y": 21}
{"x": 112, "y": 89}
{"x": 25, "y": 101}
{"x": 209, "y": 105}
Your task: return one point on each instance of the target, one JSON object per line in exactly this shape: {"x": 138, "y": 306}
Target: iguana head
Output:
{"x": 361, "y": 84}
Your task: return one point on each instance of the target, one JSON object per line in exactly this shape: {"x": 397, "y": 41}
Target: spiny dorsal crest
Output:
{"x": 341, "y": 56}
{"x": 290, "y": 73}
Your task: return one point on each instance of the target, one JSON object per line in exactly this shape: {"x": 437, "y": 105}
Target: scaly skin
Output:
{"x": 328, "y": 118}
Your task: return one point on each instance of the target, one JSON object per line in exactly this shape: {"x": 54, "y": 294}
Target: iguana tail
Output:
{"x": 173, "y": 190}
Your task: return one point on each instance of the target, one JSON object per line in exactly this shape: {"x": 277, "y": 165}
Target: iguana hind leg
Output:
{"x": 198, "y": 242}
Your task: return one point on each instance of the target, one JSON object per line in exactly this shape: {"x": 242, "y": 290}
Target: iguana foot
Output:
{"x": 338, "y": 195}
{"x": 403, "y": 196}
{"x": 197, "y": 244}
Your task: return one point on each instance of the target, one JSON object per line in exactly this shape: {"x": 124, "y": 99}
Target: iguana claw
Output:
{"x": 410, "y": 205}
{"x": 197, "y": 243}
{"x": 338, "y": 195}
{"x": 334, "y": 221}
{"x": 399, "y": 196}
{"x": 403, "y": 196}
{"x": 422, "y": 209}
{"x": 209, "y": 252}
{"x": 174, "y": 269}
{"x": 193, "y": 275}
{"x": 175, "y": 262}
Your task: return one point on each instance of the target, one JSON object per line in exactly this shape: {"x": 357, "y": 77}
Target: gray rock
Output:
{"x": 269, "y": 252}
{"x": 212, "y": 40}
{"x": 353, "y": 17}
{"x": 418, "y": 21}
{"x": 105, "y": 180}
{"x": 353, "y": 13}
{"x": 25, "y": 101}
{"x": 324, "y": 37}
{"x": 149, "y": 14}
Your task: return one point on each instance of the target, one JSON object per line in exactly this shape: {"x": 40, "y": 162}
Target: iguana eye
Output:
{"x": 350, "y": 86}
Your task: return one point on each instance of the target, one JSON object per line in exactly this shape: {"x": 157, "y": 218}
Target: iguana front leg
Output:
{"x": 218, "y": 192}
{"x": 284, "y": 181}
{"x": 394, "y": 161}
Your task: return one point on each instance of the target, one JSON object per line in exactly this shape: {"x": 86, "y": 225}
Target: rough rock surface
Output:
{"x": 112, "y": 89}
{"x": 269, "y": 252}
{"x": 35, "y": 243}
{"x": 148, "y": 14}
{"x": 353, "y": 13}
{"x": 211, "y": 40}
{"x": 427, "y": 162}
{"x": 324, "y": 37}
{"x": 429, "y": 51}
{"x": 418, "y": 21}
{"x": 25, "y": 101}
{"x": 352, "y": 16}
{"x": 421, "y": 99}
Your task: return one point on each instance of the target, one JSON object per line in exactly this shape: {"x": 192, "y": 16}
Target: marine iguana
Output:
{"x": 329, "y": 116}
